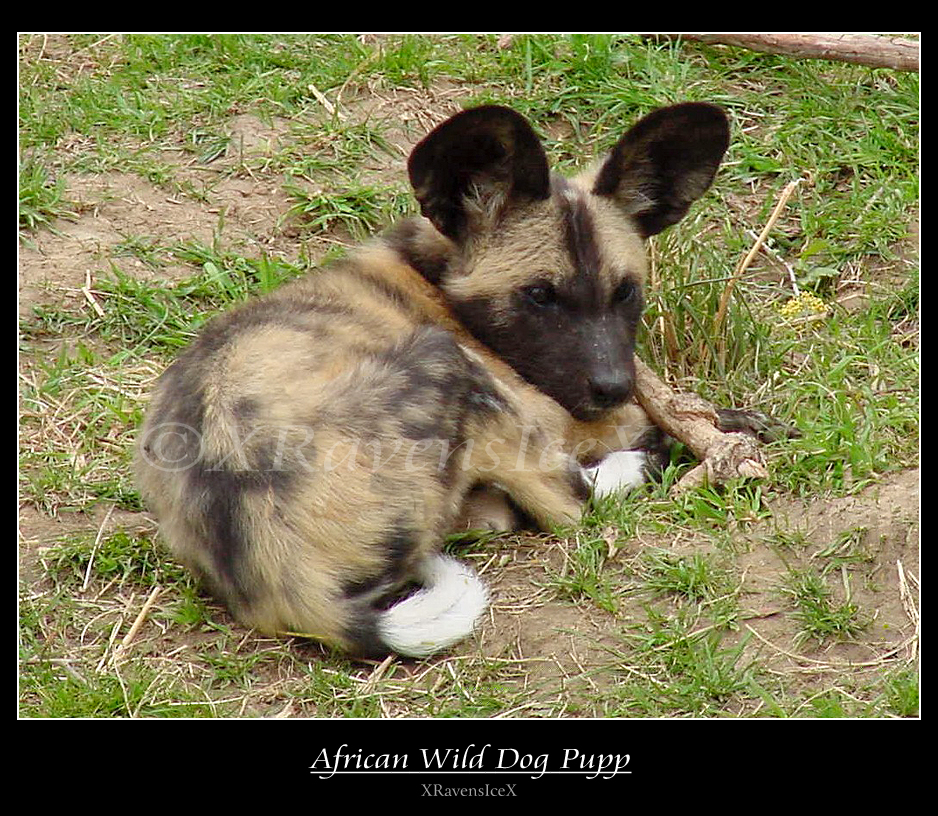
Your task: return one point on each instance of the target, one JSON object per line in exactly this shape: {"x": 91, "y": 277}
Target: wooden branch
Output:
{"x": 863, "y": 49}
{"x": 694, "y": 421}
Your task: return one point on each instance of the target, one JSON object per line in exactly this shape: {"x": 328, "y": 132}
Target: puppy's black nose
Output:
{"x": 609, "y": 389}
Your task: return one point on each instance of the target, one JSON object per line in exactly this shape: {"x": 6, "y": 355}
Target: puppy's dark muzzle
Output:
{"x": 610, "y": 368}
{"x": 610, "y": 389}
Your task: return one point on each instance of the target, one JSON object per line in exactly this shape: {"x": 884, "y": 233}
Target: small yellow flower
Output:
{"x": 806, "y": 303}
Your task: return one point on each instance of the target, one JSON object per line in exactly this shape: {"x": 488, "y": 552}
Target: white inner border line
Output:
{"x": 470, "y": 773}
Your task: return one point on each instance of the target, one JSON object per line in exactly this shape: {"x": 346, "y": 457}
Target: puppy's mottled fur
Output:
{"x": 310, "y": 451}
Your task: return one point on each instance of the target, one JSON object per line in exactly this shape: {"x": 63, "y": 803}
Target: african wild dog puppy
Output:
{"x": 310, "y": 451}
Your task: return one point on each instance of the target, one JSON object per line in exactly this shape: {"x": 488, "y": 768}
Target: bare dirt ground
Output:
{"x": 883, "y": 520}
{"x": 555, "y": 641}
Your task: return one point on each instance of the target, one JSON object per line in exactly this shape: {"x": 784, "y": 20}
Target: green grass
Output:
{"x": 360, "y": 210}
{"x": 694, "y": 674}
{"x": 670, "y": 578}
{"x": 145, "y": 315}
{"x": 696, "y": 577}
{"x": 820, "y": 617}
{"x": 41, "y": 197}
{"x": 901, "y": 691}
{"x": 582, "y": 575}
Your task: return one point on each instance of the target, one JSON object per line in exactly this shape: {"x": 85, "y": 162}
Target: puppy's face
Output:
{"x": 556, "y": 292}
{"x": 551, "y": 270}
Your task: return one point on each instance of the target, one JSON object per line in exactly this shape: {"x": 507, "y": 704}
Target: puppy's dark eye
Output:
{"x": 624, "y": 292}
{"x": 540, "y": 294}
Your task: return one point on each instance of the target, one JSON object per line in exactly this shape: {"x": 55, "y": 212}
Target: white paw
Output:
{"x": 618, "y": 472}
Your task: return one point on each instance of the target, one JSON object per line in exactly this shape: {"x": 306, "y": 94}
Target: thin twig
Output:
{"x": 86, "y": 291}
{"x": 908, "y": 603}
{"x": 321, "y": 98}
{"x": 94, "y": 549}
{"x": 775, "y": 256}
{"x": 95, "y": 44}
{"x": 372, "y": 680}
{"x": 135, "y": 627}
{"x": 743, "y": 265}
{"x": 831, "y": 664}
{"x": 110, "y": 642}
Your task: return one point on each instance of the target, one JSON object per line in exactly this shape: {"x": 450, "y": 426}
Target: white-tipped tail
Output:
{"x": 443, "y": 612}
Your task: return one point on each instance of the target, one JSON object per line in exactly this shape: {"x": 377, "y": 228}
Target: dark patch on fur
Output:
{"x": 362, "y": 634}
{"x": 438, "y": 387}
{"x": 245, "y": 410}
{"x": 580, "y": 239}
{"x": 219, "y": 494}
{"x": 371, "y": 595}
{"x": 175, "y": 442}
{"x": 397, "y": 549}
{"x": 657, "y": 446}
{"x": 581, "y": 487}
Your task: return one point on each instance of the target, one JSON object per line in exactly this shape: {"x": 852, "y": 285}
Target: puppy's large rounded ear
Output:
{"x": 474, "y": 166}
{"x": 665, "y": 163}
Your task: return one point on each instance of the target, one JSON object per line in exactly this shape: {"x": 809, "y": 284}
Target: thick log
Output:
{"x": 874, "y": 50}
